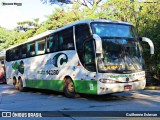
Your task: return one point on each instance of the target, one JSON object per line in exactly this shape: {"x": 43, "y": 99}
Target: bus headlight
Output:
{"x": 107, "y": 81}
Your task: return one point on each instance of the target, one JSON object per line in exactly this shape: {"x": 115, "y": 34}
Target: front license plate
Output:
{"x": 128, "y": 87}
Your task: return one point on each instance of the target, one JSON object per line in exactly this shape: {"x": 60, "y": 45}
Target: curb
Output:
{"x": 152, "y": 88}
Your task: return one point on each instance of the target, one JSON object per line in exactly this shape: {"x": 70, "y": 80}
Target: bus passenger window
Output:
{"x": 9, "y": 56}
{"x": 41, "y": 47}
{"x": 24, "y": 51}
{"x": 52, "y": 43}
{"x": 61, "y": 45}
{"x": 66, "y": 39}
{"x": 15, "y": 53}
{"x": 31, "y": 49}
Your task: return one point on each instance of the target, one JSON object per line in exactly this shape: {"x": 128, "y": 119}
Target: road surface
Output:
{"x": 142, "y": 101}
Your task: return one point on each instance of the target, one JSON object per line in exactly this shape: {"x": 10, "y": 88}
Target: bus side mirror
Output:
{"x": 98, "y": 43}
{"x": 149, "y": 41}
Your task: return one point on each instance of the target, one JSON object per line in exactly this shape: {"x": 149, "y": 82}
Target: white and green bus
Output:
{"x": 87, "y": 56}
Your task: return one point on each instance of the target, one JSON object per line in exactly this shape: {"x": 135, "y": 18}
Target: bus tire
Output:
{"x": 69, "y": 90}
{"x": 14, "y": 81}
{"x": 20, "y": 85}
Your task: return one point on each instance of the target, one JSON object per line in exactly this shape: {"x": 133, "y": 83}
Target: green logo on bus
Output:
{"x": 18, "y": 67}
{"x": 60, "y": 59}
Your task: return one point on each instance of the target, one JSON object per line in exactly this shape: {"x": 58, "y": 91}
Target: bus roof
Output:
{"x": 41, "y": 35}
{"x": 90, "y": 21}
{"x": 34, "y": 38}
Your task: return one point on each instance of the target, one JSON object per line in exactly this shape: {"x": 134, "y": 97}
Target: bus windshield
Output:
{"x": 121, "y": 50}
{"x": 113, "y": 30}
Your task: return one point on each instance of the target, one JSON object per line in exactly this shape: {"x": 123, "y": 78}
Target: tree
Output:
{"x": 60, "y": 18}
{"x": 149, "y": 24}
{"x": 27, "y": 25}
{"x": 7, "y": 38}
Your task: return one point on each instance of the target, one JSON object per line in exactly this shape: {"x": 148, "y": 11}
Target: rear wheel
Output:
{"x": 14, "y": 81}
{"x": 69, "y": 90}
{"x": 20, "y": 85}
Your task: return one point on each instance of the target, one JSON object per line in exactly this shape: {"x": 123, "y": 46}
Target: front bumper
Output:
{"x": 105, "y": 88}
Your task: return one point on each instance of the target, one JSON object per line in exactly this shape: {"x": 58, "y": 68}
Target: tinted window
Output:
{"x": 89, "y": 56}
{"x": 31, "y": 49}
{"x": 40, "y": 47}
{"x": 66, "y": 39}
{"x": 15, "y": 53}
{"x": 82, "y": 32}
{"x": 52, "y": 43}
{"x": 62, "y": 40}
{"x": 23, "y": 51}
{"x": 113, "y": 30}
{"x": 8, "y": 55}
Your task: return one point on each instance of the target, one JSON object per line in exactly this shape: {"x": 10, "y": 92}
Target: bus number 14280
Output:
{"x": 52, "y": 72}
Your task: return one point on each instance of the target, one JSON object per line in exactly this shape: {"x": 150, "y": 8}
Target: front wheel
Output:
{"x": 69, "y": 90}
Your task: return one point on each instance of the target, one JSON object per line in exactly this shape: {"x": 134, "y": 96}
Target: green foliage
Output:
{"x": 7, "y": 38}
{"x": 148, "y": 25}
{"x": 60, "y": 18}
{"x": 43, "y": 28}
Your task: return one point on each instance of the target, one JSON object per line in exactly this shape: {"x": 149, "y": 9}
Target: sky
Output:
{"x": 30, "y": 9}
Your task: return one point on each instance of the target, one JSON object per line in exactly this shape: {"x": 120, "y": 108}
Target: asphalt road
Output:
{"x": 61, "y": 107}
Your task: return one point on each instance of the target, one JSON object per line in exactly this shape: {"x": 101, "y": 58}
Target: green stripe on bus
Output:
{"x": 81, "y": 86}
{"x": 45, "y": 84}
{"x": 86, "y": 86}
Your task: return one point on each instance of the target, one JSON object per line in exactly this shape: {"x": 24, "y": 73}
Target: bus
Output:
{"x": 87, "y": 56}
